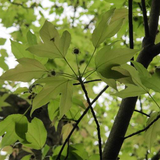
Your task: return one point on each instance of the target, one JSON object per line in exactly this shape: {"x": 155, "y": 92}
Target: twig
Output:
{"x": 94, "y": 80}
{"x": 142, "y": 130}
{"x": 19, "y": 4}
{"x": 146, "y": 27}
{"x": 76, "y": 124}
{"x": 94, "y": 116}
{"x": 130, "y": 15}
{"x": 140, "y": 103}
{"x": 142, "y": 113}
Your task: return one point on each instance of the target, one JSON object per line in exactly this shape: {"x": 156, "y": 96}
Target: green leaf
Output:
{"x": 119, "y": 13}
{"x": 94, "y": 157}
{"x": 19, "y": 50}
{"x": 2, "y": 41}
{"x": 3, "y": 65}
{"x": 49, "y": 32}
{"x": 53, "y": 46}
{"x": 3, "y": 53}
{"x": 25, "y": 71}
{"x": 66, "y": 99}
{"x": 53, "y": 109}
{"x": 26, "y": 157}
{"x": 13, "y": 132}
{"x": 153, "y": 130}
{"x": 31, "y": 38}
{"x": 108, "y": 58}
{"x": 65, "y": 42}
{"x": 130, "y": 91}
{"x": 141, "y": 69}
{"x": 2, "y": 100}
{"x": 153, "y": 81}
{"x": 36, "y": 134}
{"x": 131, "y": 72}
{"x": 99, "y": 32}
{"x": 113, "y": 28}
{"x": 45, "y": 50}
{"x": 54, "y": 86}
{"x": 108, "y": 27}
{"x": 79, "y": 149}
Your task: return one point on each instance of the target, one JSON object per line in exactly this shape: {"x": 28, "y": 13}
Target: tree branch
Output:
{"x": 142, "y": 113}
{"x": 78, "y": 121}
{"x": 142, "y": 130}
{"x": 153, "y": 21}
{"x": 94, "y": 80}
{"x": 94, "y": 116}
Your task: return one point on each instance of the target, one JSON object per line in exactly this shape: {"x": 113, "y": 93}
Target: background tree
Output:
{"x": 76, "y": 68}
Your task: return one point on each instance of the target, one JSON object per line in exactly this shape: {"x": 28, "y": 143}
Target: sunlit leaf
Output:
{"x": 108, "y": 27}
{"x": 130, "y": 91}
{"x": 153, "y": 130}
{"x": 53, "y": 46}
{"x": 36, "y": 134}
{"x": 53, "y": 109}
{"x": 19, "y": 50}
{"x": 54, "y": 86}
{"x": 25, "y": 71}
{"x": 66, "y": 130}
{"x": 12, "y": 133}
{"x": 31, "y": 38}
{"x": 65, "y": 42}
{"x": 66, "y": 98}
{"x": 99, "y": 33}
{"x": 153, "y": 81}
{"x": 2, "y": 41}
{"x": 45, "y": 50}
{"x": 48, "y": 32}
{"x": 26, "y": 157}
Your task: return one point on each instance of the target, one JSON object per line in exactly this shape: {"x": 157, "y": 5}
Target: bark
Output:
{"x": 115, "y": 139}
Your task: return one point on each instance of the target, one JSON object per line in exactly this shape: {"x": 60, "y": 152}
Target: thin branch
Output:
{"x": 94, "y": 80}
{"x": 142, "y": 130}
{"x": 130, "y": 15}
{"x": 19, "y": 4}
{"x": 142, "y": 113}
{"x": 78, "y": 121}
{"x": 89, "y": 61}
{"x": 146, "y": 27}
{"x": 140, "y": 103}
{"x": 94, "y": 116}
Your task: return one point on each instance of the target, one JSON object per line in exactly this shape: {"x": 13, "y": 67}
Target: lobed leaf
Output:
{"x": 25, "y": 71}
{"x": 36, "y": 134}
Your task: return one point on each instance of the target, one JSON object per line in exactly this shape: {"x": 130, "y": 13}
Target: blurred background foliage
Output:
{"x": 19, "y": 18}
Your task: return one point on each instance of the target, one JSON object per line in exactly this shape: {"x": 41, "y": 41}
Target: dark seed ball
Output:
{"x": 76, "y": 51}
{"x": 53, "y": 73}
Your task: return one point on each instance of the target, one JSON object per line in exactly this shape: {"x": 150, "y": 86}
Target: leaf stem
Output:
{"x": 89, "y": 61}
{"x": 65, "y": 60}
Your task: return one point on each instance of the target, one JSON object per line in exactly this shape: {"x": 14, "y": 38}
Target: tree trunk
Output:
{"x": 116, "y": 137}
